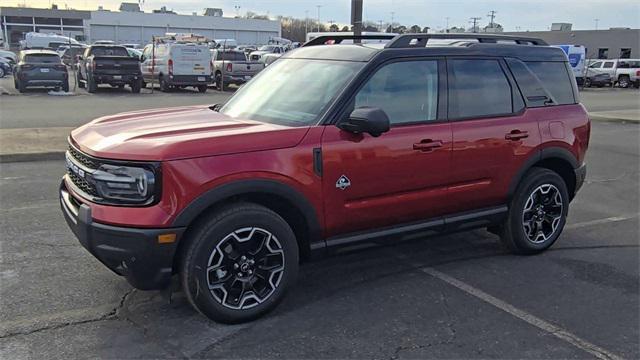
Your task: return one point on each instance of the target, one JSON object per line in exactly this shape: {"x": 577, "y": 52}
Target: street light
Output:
{"x": 318, "y": 6}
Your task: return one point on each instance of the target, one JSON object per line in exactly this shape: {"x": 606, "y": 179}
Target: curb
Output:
{"x": 34, "y": 156}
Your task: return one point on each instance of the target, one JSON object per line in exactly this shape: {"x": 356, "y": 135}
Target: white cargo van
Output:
{"x": 177, "y": 65}
{"x": 577, "y": 55}
{"x": 34, "y": 40}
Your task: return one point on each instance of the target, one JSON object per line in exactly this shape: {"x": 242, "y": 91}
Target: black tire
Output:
{"x": 91, "y": 85}
{"x": 218, "y": 79}
{"x": 2, "y": 72}
{"x": 21, "y": 87}
{"x": 164, "y": 87}
{"x": 624, "y": 81}
{"x": 587, "y": 82}
{"x": 79, "y": 81}
{"x": 143, "y": 84}
{"x": 202, "y": 88}
{"x": 514, "y": 233}
{"x": 136, "y": 86}
{"x": 65, "y": 86}
{"x": 245, "y": 220}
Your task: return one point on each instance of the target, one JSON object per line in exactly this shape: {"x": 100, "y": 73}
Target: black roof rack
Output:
{"x": 338, "y": 38}
{"x": 420, "y": 40}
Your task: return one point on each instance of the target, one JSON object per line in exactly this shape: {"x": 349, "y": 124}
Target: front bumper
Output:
{"x": 130, "y": 252}
{"x": 581, "y": 175}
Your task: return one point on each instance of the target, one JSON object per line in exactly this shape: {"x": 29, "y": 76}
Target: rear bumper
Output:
{"x": 189, "y": 80}
{"x": 581, "y": 175}
{"x": 117, "y": 79}
{"x": 130, "y": 252}
{"x": 236, "y": 80}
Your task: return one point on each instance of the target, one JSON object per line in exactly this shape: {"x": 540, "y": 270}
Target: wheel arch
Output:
{"x": 287, "y": 202}
{"x": 556, "y": 159}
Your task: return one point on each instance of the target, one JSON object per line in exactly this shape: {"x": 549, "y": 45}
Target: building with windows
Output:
{"x": 614, "y": 43}
{"x": 130, "y": 26}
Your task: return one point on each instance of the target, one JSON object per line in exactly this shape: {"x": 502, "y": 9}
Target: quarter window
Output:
{"x": 478, "y": 88}
{"x": 407, "y": 91}
{"x": 556, "y": 79}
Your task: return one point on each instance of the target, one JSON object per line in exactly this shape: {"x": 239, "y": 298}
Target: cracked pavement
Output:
{"x": 58, "y": 302}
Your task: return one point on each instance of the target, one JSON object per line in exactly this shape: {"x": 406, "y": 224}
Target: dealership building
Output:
{"x": 130, "y": 25}
{"x": 614, "y": 43}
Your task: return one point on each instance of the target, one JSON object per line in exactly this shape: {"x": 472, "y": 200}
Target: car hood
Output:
{"x": 179, "y": 133}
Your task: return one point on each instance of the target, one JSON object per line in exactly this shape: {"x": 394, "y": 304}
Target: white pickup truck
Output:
{"x": 232, "y": 67}
{"x": 624, "y": 72}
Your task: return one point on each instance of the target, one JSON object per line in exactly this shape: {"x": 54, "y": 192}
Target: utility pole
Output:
{"x": 393, "y": 13}
{"x": 318, "y": 6}
{"x": 446, "y": 29}
{"x": 596, "y": 20}
{"x": 356, "y": 18}
{"x": 474, "y": 20}
{"x": 492, "y": 16}
{"x": 306, "y": 24}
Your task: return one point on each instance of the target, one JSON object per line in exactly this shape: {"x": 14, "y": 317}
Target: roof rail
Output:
{"x": 338, "y": 38}
{"x": 420, "y": 40}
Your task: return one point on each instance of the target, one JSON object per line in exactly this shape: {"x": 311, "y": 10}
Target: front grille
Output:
{"x": 83, "y": 159}
{"x": 82, "y": 184}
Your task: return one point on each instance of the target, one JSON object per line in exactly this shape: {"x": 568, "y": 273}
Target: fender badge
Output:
{"x": 343, "y": 182}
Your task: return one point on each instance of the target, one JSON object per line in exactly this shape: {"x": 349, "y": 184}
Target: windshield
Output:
{"x": 266, "y": 48}
{"x": 291, "y": 92}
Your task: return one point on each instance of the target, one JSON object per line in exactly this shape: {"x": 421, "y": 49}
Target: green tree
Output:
{"x": 415, "y": 29}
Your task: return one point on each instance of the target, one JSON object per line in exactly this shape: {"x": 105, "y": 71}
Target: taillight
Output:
{"x": 638, "y": 73}
{"x": 229, "y": 67}
{"x": 211, "y": 67}
{"x": 170, "y": 66}
{"x": 26, "y": 67}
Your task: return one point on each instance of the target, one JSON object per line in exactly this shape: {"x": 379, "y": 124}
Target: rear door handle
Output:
{"x": 516, "y": 135}
{"x": 427, "y": 145}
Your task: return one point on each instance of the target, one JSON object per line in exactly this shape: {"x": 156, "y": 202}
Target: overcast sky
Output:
{"x": 512, "y": 14}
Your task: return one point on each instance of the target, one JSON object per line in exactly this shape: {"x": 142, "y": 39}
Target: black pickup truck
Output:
{"x": 108, "y": 64}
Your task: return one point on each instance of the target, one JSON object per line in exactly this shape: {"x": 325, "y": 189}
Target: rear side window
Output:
{"x": 532, "y": 89}
{"x": 556, "y": 80}
{"x": 478, "y": 88}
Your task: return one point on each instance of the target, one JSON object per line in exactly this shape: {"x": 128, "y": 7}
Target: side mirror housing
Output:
{"x": 371, "y": 120}
{"x": 142, "y": 58}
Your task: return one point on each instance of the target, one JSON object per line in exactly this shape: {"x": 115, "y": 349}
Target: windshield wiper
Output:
{"x": 215, "y": 107}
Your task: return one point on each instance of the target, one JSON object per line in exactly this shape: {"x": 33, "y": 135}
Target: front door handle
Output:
{"x": 427, "y": 145}
{"x": 515, "y": 135}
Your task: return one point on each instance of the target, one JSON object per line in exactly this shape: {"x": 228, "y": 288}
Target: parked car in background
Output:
{"x": 108, "y": 64}
{"x": 267, "y": 59}
{"x": 5, "y": 67}
{"x": 132, "y": 46}
{"x": 623, "y": 72}
{"x": 10, "y": 56}
{"x": 592, "y": 78}
{"x": 247, "y": 49}
{"x": 135, "y": 53}
{"x": 104, "y": 42}
{"x": 35, "y": 40}
{"x": 232, "y": 67}
{"x": 266, "y": 49}
{"x": 177, "y": 64}
{"x": 70, "y": 55}
{"x": 41, "y": 68}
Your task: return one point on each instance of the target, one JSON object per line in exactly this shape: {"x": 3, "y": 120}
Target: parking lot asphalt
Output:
{"x": 456, "y": 296}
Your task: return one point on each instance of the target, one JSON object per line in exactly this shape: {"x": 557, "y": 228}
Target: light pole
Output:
{"x": 318, "y": 6}
{"x": 446, "y": 29}
{"x": 306, "y": 24}
{"x": 596, "y": 20}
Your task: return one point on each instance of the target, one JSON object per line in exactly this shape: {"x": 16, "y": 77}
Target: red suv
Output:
{"x": 331, "y": 145}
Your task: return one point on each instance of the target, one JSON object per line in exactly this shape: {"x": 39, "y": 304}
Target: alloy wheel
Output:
{"x": 542, "y": 213}
{"x": 245, "y": 269}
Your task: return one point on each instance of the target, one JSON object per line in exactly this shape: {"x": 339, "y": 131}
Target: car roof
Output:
{"x": 525, "y": 49}
{"x": 39, "y": 51}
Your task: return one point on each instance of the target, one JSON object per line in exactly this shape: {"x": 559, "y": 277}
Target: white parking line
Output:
{"x": 554, "y": 330}
{"x": 599, "y": 221}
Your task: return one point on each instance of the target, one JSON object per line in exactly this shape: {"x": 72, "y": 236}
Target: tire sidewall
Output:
{"x": 210, "y": 237}
{"x": 534, "y": 179}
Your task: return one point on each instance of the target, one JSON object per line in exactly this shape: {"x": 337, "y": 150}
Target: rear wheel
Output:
{"x": 587, "y": 82}
{"x": 202, "y": 88}
{"x": 239, "y": 263}
{"x": 91, "y": 85}
{"x": 65, "y": 86}
{"x": 164, "y": 87}
{"x": 624, "y": 81}
{"x": 135, "y": 86}
{"x": 79, "y": 81}
{"x": 537, "y": 213}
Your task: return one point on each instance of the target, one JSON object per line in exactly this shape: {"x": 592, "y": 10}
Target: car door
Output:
{"x": 402, "y": 175}
{"x": 492, "y": 134}
{"x": 609, "y": 67}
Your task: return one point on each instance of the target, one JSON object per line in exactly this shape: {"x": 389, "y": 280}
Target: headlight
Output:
{"x": 127, "y": 184}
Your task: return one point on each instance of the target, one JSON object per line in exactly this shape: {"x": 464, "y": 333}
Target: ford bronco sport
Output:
{"x": 331, "y": 145}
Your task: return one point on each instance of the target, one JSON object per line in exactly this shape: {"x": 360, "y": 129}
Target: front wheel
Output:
{"x": 537, "y": 213}
{"x": 65, "y": 86}
{"x": 587, "y": 82}
{"x": 92, "y": 87}
{"x": 239, "y": 263}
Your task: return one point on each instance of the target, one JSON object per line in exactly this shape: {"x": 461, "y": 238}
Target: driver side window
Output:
{"x": 407, "y": 91}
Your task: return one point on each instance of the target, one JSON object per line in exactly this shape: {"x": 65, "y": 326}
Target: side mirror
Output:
{"x": 371, "y": 120}
{"x": 142, "y": 58}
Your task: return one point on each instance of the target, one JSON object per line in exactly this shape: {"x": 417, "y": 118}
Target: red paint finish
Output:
{"x": 391, "y": 182}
